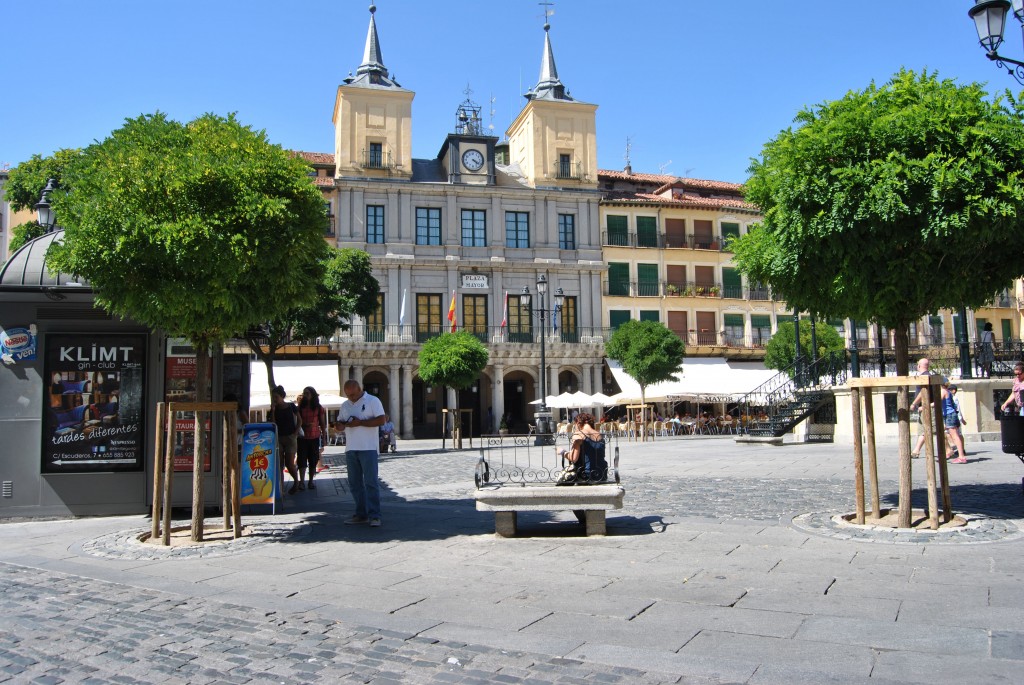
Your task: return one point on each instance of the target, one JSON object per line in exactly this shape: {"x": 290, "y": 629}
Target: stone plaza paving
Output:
{"x": 727, "y": 564}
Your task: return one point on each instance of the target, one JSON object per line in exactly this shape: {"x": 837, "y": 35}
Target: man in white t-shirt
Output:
{"x": 359, "y": 418}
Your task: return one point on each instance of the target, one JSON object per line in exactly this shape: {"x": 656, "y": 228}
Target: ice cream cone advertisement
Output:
{"x": 259, "y": 459}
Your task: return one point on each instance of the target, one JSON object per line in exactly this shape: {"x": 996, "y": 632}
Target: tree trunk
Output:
{"x": 643, "y": 411}
{"x": 202, "y": 349}
{"x": 901, "y": 343}
{"x": 456, "y": 424}
{"x": 266, "y": 357}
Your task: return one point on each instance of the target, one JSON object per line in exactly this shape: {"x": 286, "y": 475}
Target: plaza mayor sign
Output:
{"x": 475, "y": 281}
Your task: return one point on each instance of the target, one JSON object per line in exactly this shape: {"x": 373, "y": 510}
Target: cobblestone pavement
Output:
{"x": 726, "y": 565}
{"x": 58, "y": 628}
{"x": 442, "y": 478}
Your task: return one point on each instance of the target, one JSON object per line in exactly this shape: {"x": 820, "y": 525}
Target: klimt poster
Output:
{"x": 94, "y": 403}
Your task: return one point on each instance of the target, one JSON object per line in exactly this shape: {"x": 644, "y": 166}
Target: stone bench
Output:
{"x": 589, "y": 502}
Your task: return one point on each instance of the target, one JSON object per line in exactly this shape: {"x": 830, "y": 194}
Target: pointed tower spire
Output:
{"x": 548, "y": 87}
{"x": 372, "y": 71}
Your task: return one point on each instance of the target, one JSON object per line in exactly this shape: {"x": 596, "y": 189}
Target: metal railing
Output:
{"x": 690, "y": 241}
{"x": 776, "y": 399}
{"x": 627, "y": 288}
{"x": 415, "y": 334}
{"x": 569, "y": 170}
{"x": 517, "y": 460}
{"x": 376, "y": 159}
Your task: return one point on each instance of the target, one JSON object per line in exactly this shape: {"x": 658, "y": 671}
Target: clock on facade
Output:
{"x": 472, "y": 160}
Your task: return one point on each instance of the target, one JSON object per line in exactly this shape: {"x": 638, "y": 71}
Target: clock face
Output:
{"x": 472, "y": 160}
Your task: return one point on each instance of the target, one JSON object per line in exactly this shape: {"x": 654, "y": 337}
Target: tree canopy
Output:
{"x": 456, "y": 360}
{"x": 780, "y": 349}
{"x": 348, "y": 287}
{"x": 452, "y": 359}
{"x": 648, "y": 351}
{"x": 201, "y": 229}
{"x": 891, "y": 203}
{"x": 26, "y": 181}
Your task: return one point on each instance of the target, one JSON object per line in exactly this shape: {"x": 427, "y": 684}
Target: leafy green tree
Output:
{"x": 780, "y": 349}
{"x": 347, "y": 287}
{"x": 26, "y": 181}
{"x": 23, "y": 233}
{"x": 454, "y": 360}
{"x": 649, "y": 352}
{"x": 889, "y": 204}
{"x": 200, "y": 230}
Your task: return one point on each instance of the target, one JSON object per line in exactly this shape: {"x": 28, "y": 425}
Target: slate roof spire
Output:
{"x": 372, "y": 71}
{"x": 548, "y": 87}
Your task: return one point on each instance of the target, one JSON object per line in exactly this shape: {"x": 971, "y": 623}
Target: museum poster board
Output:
{"x": 180, "y": 386}
{"x": 93, "y": 418}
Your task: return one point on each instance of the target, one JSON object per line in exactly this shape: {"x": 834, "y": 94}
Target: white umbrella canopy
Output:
{"x": 547, "y": 401}
{"x": 579, "y": 400}
{"x": 600, "y": 399}
{"x": 560, "y": 402}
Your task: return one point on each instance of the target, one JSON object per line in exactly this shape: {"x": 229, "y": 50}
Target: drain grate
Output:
{"x": 8, "y": 488}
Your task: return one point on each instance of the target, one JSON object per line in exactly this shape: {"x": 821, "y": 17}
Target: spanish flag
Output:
{"x": 451, "y": 312}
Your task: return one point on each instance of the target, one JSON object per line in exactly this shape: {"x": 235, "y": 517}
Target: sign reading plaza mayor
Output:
{"x": 475, "y": 281}
{"x": 94, "y": 419}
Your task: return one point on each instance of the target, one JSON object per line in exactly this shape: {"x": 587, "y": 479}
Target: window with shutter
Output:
{"x": 618, "y": 230}
{"x": 646, "y": 231}
{"x": 732, "y": 283}
{"x": 617, "y": 317}
{"x": 647, "y": 280}
{"x": 618, "y": 279}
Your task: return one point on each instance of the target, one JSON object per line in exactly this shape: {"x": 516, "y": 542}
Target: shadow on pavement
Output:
{"x": 996, "y": 500}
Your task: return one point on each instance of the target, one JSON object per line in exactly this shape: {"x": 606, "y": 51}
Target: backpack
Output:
{"x": 592, "y": 467}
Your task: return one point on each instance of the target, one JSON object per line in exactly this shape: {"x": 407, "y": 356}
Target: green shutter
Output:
{"x": 761, "y": 321}
{"x": 649, "y": 315}
{"x": 1007, "y": 330}
{"x": 729, "y": 232}
{"x": 979, "y": 325}
{"x": 732, "y": 283}
{"x": 646, "y": 231}
{"x": 618, "y": 229}
{"x": 647, "y": 280}
{"x": 618, "y": 278}
{"x": 617, "y": 317}
{"x": 734, "y": 320}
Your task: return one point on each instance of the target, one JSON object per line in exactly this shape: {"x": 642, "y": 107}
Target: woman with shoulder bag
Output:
{"x": 577, "y": 470}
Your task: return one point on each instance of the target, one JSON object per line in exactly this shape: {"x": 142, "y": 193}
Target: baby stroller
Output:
{"x": 387, "y": 441}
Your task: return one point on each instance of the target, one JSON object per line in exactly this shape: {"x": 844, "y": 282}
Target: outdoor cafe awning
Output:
{"x": 294, "y": 375}
{"x": 700, "y": 378}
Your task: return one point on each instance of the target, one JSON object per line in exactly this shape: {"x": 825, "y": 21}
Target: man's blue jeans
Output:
{"x": 362, "y": 481}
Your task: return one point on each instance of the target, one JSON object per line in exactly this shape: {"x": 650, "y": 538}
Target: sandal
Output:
{"x": 958, "y": 460}
{"x": 915, "y": 455}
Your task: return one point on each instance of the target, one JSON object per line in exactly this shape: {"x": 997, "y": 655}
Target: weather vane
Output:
{"x": 547, "y": 12}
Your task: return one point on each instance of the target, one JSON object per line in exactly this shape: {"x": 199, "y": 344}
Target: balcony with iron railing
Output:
{"x": 569, "y": 171}
{"x": 713, "y": 289}
{"x": 376, "y": 159}
{"x": 416, "y": 334}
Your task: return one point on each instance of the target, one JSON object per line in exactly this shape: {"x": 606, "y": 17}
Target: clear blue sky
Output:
{"x": 698, "y": 85}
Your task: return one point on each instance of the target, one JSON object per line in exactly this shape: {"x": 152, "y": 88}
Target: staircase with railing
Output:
{"x": 789, "y": 397}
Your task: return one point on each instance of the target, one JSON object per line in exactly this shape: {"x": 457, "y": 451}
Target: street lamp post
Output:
{"x": 44, "y": 212}
{"x": 545, "y": 434}
{"x": 990, "y": 19}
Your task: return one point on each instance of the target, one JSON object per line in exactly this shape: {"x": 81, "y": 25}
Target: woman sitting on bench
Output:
{"x": 585, "y": 455}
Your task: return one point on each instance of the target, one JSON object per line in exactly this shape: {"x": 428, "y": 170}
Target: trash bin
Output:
{"x": 1011, "y": 429}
